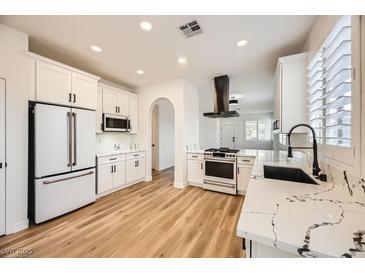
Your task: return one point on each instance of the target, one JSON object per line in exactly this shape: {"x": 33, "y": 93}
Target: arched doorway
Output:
{"x": 162, "y": 136}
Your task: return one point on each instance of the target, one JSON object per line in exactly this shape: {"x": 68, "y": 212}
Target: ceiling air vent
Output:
{"x": 191, "y": 29}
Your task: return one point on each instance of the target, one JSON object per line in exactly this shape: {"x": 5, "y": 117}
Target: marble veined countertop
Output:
{"x": 325, "y": 220}
{"x": 117, "y": 152}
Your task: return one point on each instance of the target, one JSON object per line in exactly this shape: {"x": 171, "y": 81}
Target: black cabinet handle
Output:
{"x": 238, "y": 170}
{"x": 201, "y": 165}
{"x": 70, "y": 97}
{"x": 112, "y": 168}
{"x": 74, "y": 98}
{"x": 1, "y": 165}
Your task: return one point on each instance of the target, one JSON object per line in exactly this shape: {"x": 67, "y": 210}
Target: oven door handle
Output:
{"x": 233, "y": 161}
{"x": 218, "y": 184}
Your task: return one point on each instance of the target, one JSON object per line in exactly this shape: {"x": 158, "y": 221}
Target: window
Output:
{"x": 333, "y": 93}
{"x": 282, "y": 139}
{"x": 258, "y": 130}
{"x": 251, "y": 130}
{"x": 329, "y": 87}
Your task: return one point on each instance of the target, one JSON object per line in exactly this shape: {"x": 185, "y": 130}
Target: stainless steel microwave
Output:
{"x": 116, "y": 123}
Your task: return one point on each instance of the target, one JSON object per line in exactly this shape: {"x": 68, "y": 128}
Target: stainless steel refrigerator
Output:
{"x": 62, "y": 164}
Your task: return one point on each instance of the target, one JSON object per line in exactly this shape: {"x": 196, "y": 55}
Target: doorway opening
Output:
{"x": 228, "y": 136}
{"x": 163, "y": 137}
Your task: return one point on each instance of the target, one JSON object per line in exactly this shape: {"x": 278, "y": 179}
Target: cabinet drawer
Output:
{"x": 195, "y": 156}
{"x": 111, "y": 159}
{"x": 134, "y": 155}
{"x": 245, "y": 160}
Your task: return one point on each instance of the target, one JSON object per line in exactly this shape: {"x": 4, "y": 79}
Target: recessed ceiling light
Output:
{"x": 140, "y": 72}
{"x": 241, "y": 43}
{"x": 181, "y": 60}
{"x": 96, "y": 48}
{"x": 147, "y": 26}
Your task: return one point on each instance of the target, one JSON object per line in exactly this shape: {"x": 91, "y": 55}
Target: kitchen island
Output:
{"x": 289, "y": 219}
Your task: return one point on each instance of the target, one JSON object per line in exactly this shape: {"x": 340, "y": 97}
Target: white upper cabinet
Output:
{"x": 115, "y": 102}
{"x": 290, "y": 97}
{"x": 84, "y": 91}
{"x": 60, "y": 84}
{"x": 133, "y": 113}
{"x": 53, "y": 84}
{"x": 123, "y": 104}
{"x": 99, "y": 112}
{"x": 119, "y": 102}
{"x": 110, "y": 101}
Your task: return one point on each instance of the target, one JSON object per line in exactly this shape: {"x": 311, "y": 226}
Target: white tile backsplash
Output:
{"x": 105, "y": 141}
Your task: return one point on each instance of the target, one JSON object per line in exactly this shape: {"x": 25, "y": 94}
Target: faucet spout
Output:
{"x": 315, "y": 167}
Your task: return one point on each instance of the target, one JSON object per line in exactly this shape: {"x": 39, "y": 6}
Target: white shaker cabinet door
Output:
{"x": 195, "y": 171}
{"x": 133, "y": 113}
{"x": 243, "y": 177}
{"x": 123, "y": 104}
{"x": 105, "y": 178}
{"x": 99, "y": 112}
{"x": 84, "y": 139}
{"x": 85, "y": 91}
{"x": 130, "y": 170}
{"x": 140, "y": 168}
{"x": 53, "y": 84}
{"x": 109, "y": 101}
{"x": 119, "y": 174}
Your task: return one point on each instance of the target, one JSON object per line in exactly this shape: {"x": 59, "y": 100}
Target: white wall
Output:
{"x": 148, "y": 95}
{"x": 166, "y": 134}
{"x": 14, "y": 68}
{"x": 239, "y": 122}
{"x": 209, "y": 128}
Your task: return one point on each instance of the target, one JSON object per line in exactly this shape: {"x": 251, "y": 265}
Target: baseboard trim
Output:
{"x": 240, "y": 192}
{"x": 16, "y": 227}
{"x": 195, "y": 184}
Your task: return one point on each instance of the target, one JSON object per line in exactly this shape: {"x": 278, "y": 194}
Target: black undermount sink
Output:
{"x": 288, "y": 174}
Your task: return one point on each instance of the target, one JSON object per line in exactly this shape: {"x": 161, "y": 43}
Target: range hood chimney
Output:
{"x": 221, "y": 102}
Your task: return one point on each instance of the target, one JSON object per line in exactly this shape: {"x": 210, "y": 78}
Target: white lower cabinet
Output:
{"x": 135, "y": 167}
{"x": 110, "y": 173}
{"x": 258, "y": 250}
{"x": 195, "y": 172}
{"x": 105, "y": 178}
{"x": 119, "y": 174}
{"x": 244, "y": 170}
{"x": 243, "y": 176}
{"x": 118, "y": 171}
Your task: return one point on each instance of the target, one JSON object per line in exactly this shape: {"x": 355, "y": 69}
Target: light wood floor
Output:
{"x": 151, "y": 219}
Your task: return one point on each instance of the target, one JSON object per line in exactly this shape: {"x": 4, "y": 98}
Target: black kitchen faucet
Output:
{"x": 315, "y": 166}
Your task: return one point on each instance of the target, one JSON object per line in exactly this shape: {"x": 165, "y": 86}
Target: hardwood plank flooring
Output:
{"x": 150, "y": 219}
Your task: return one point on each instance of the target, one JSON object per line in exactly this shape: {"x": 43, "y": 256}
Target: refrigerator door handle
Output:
{"x": 74, "y": 138}
{"x": 68, "y": 178}
{"x": 69, "y": 116}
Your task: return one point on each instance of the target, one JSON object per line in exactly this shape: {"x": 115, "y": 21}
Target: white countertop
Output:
{"x": 117, "y": 152}
{"x": 241, "y": 153}
{"x": 326, "y": 220}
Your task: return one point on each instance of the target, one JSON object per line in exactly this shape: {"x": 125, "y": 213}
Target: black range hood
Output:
{"x": 221, "y": 102}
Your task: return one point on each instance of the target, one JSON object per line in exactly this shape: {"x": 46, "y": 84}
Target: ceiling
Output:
{"x": 127, "y": 48}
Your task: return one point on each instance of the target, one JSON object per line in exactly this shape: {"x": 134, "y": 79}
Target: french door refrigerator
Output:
{"x": 62, "y": 171}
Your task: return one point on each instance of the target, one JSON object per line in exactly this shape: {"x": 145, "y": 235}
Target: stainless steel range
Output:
{"x": 220, "y": 170}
